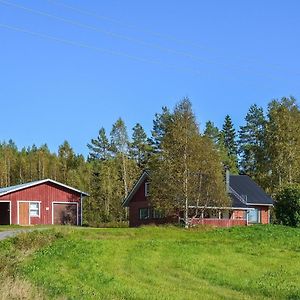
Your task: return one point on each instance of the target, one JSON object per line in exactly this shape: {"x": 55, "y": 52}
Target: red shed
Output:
{"x": 41, "y": 202}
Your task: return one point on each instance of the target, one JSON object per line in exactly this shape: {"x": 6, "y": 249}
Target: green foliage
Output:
{"x": 252, "y": 143}
{"x": 255, "y": 262}
{"x": 212, "y": 132}
{"x": 287, "y": 206}
{"x": 283, "y": 142}
{"x": 99, "y": 147}
{"x": 12, "y": 253}
{"x": 140, "y": 148}
{"x": 187, "y": 170}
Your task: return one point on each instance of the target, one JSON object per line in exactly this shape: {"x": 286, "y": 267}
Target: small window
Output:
{"x": 144, "y": 213}
{"x": 34, "y": 209}
{"x": 147, "y": 186}
{"x": 253, "y": 216}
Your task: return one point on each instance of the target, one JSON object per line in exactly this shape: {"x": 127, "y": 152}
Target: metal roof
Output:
{"x": 250, "y": 190}
{"x": 14, "y": 188}
{"x": 243, "y": 191}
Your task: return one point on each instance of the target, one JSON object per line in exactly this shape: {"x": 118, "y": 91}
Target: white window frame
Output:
{"x": 26, "y": 201}
{"x": 147, "y": 184}
{"x": 38, "y": 209}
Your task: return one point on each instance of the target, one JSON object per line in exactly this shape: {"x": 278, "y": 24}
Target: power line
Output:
{"x": 250, "y": 61}
{"x": 115, "y": 35}
{"x": 98, "y": 49}
{"x": 124, "y": 37}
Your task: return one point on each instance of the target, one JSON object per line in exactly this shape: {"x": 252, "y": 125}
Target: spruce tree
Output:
{"x": 228, "y": 140}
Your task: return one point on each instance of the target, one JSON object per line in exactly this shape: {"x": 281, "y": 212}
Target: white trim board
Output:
{"x": 8, "y": 201}
{"x": 64, "y": 202}
{"x": 31, "y": 184}
{"x": 28, "y": 201}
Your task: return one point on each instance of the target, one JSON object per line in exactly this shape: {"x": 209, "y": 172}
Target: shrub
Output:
{"x": 287, "y": 206}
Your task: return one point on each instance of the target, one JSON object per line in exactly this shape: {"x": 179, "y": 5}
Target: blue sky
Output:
{"x": 69, "y": 67}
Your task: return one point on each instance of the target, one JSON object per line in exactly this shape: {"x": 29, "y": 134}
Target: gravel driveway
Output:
{"x": 11, "y": 233}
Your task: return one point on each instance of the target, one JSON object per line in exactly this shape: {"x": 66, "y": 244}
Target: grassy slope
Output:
{"x": 168, "y": 263}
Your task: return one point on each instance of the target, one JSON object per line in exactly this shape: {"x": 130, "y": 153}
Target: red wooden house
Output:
{"x": 249, "y": 205}
{"x": 41, "y": 202}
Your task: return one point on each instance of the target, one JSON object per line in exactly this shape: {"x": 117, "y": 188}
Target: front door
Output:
{"x": 24, "y": 213}
{"x": 4, "y": 213}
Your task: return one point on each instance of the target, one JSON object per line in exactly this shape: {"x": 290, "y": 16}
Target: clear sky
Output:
{"x": 69, "y": 67}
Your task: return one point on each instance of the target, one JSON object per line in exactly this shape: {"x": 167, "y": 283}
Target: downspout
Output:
{"x": 227, "y": 179}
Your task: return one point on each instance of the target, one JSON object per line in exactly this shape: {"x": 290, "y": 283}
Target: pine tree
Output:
{"x": 252, "y": 143}
{"x": 160, "y": 124}
{"x": 99, "y": 147}
{"x": 140, "y": 148}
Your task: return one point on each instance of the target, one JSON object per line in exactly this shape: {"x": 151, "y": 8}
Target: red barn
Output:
{"x": 41, "y": 202}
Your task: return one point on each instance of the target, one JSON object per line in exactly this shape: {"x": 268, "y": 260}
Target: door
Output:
{"x": 24, "y": 213}
{"x": 4, "y": 213}
{"x": 65, "y": 213}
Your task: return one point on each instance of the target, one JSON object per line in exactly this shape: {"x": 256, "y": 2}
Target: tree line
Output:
{"x": 187, "y": 164}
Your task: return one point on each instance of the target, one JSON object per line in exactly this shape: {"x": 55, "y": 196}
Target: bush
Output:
{"x": 287, "y": 206}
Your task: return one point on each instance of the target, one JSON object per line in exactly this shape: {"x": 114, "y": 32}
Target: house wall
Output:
{"x": 46, "y": 194}
{"x": 238, "y": 215}
{"x": 139, "y": 200}
{"x": 264, "y": 213}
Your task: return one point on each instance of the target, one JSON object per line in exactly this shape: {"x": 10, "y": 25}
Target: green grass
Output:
{"x": 257, "y": 262}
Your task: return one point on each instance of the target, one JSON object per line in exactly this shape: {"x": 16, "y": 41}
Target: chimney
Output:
{"x": 227, "y": 180}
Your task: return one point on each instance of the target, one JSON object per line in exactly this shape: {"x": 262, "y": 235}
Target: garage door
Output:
{"x": 65, "y": 214}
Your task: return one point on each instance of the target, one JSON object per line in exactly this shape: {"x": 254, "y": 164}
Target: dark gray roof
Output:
{"x": 243, "y": 191}
{"x": 236, "y": 202}
{"x": 249, "y": 190}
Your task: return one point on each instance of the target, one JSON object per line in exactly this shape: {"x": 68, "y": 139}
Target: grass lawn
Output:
{"x": 257, "y": 262}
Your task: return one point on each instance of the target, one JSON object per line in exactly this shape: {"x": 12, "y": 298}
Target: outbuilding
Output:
{"x": 41, "y": 202}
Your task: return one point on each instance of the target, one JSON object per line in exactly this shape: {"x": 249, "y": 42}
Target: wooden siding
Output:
{"x": 45, "y": 193}
{"x": 139, "y": 200}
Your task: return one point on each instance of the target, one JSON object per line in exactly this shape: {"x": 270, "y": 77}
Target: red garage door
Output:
{"x": 65, "y": 213}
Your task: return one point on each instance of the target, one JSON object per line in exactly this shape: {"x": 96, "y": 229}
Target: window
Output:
{"x": 253, "y": 216}
{"x": 144, "y": 213}
{"x": 157, "y": 214}
{"x": 34, "y": 209}
{"x": 147, "y": 186}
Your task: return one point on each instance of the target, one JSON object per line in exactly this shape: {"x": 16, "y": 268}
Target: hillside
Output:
{"x": 257, "y": 262}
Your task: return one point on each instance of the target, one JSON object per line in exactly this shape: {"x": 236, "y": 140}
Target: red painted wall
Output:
{"x": 139, "y": 200}
{"x": 46, "y": 193}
